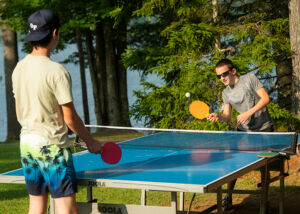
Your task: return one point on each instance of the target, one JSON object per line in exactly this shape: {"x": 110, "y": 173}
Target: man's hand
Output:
{"x": 213, "y": 117}
{"x": 242, "y": 118}
{"x": 95, "y": 146}
{"x": 76, "y": 125}
{"x": 70, "y": 131}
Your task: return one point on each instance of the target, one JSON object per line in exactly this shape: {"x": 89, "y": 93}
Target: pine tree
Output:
{"x": 182, "y": 51}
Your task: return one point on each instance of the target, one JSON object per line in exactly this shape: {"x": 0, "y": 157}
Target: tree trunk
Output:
{"x": 122, "y": 74}
{"x": 284, "y": 84}
{"x": 294, "y": 6}
{"x": 82, "y": 77}
{"x": 101, "y": 71}
{"x": 113, "y": 110}
{"x": 93, "y": 71}
{"x": 10, "y": 53}
{"x": 216, "y": 21}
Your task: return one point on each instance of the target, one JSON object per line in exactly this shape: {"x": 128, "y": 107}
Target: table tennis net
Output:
{"x": 192, "y": 139}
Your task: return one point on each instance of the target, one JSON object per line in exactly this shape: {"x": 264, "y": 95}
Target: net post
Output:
{"x": 294, "y": 143}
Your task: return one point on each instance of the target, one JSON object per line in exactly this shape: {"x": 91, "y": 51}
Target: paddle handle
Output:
{"x": 214, "y": 116}
{"x": 78, "y": 142}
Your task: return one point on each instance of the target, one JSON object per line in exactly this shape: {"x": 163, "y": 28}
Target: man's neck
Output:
{"x": 40, "y": 51}
{"x": 235, "y": 80}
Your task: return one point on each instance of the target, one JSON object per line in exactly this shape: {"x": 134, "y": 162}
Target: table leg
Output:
{"x": 281, "y": 196}
{"x": 52, "y": 206}
{"x": 143, "y": 197}
{"x": 89, "y": 193}
{"x": 181, "y": 202}
{"x": 174, "y": 201}
{"x": 264, "y": 180}
{"x": 219, "y": 200}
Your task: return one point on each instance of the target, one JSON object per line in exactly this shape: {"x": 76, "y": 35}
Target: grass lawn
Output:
{"x": 14, "y": 198}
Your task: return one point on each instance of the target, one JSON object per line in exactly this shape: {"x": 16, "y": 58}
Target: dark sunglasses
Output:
{"x": 225, "y": 74}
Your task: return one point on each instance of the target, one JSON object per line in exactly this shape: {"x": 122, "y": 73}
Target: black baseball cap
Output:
{"x": 41, "y": 23}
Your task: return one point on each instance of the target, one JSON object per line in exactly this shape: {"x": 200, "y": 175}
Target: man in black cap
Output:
{"x": 45, "y": 110}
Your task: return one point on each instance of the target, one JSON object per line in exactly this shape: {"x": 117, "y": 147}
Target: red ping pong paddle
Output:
{"x": 111, "y": 153}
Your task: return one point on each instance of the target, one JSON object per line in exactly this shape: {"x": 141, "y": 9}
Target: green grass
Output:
{"x": 14, "y": 198}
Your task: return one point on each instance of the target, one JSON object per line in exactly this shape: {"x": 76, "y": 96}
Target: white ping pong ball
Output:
{"x": 187, "y": 94}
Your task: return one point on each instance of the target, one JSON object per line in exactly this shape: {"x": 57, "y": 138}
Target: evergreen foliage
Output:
{"x": 251, "y": 35}
{"x": 283, "y": 120}
{"x": 176, "y": 40}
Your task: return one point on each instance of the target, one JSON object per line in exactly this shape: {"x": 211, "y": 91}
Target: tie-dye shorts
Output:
{"x": 46, "y": 167}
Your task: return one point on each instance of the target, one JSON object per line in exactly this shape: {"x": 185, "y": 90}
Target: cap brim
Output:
{"x": 36, "y": 36}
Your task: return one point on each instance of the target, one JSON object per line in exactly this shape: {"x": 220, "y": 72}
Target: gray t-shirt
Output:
{"x": 242, "y": 96}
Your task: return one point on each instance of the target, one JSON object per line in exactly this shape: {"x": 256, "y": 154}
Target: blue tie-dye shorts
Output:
{"x": 46, "y": 167}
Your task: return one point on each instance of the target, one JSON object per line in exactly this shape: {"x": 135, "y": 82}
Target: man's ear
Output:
{"x": 233, "y": 71}
{"x": 54, "y": 33}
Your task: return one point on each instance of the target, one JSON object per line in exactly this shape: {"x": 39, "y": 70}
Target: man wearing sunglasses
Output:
{"x": 249, "y": 98}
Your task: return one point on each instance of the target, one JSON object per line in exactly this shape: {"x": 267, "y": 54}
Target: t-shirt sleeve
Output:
{"x": 254, "y": 82}
{"x": 14, "y": 79}
{"x": 62, "y": 87}
{"x": 225, "y": 98}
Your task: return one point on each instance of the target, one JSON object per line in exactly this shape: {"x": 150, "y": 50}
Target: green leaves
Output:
{"x": 168, "y": 107}
{"x": 176, "y": 40}
{"x": 250, "y": 34}
{"x": 282, "y": 119}
{"x": 190, "y": 39}
{"x": 264, "y": 42}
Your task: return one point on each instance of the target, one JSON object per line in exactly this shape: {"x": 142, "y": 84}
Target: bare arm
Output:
{"x": 226, "y": 115}
{"x": 74, "y": 123}
{"x": 264, "y": 100}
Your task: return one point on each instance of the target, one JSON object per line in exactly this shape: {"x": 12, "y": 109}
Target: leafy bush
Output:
{"x": 282, "y": 119}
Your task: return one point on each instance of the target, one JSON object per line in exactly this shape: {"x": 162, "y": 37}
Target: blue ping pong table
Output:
{"x": 179, "y": 162}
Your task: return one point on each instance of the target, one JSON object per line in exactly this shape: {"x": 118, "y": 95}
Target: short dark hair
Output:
{"x": 44, "y": 42}
{"x": 227, "y": 62}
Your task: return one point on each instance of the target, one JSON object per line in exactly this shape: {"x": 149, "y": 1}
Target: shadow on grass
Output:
{"x": 250, "y": 204}
{"x": 12, "y": 191}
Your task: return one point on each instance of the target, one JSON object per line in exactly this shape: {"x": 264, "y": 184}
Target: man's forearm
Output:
{"x": 261, "y": 104}
{"x": 224, "y": 118}
{"x": 74, "y": 122}
{"x": 77, "y": 126}
{"x": 264, "y": 101}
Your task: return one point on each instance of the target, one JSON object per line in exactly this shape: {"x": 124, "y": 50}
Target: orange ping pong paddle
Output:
{"x": 199, "y": 109}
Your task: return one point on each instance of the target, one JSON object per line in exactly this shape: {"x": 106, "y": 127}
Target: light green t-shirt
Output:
{"x": 40, "y": 86}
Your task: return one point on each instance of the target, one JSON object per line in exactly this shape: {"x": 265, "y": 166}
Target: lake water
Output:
{"x": 133, "y": 83}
